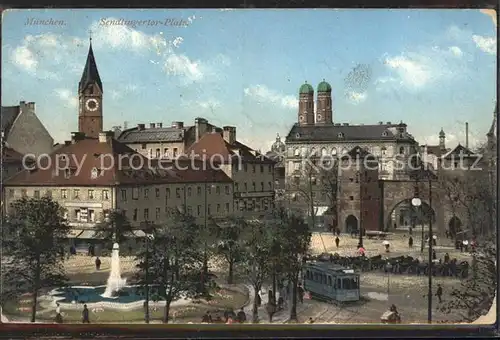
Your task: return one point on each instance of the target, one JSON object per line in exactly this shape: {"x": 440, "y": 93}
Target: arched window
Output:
{"x": 313, "y": 152}
{"x": 401, "y": 150}
{"x": 340, "y": 135}
{"x": 334, "y": 151}
{"x": 324, "y": 152}
{"x": 296, "y": 152}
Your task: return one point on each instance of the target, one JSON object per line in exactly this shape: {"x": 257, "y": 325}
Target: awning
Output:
{"x": 73, "y": 233}
{"x": 87, "y": 234}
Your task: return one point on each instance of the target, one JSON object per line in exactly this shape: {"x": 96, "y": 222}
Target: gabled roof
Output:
{"x": 152, "y": 135}
{"x": 213, "y": 145}
{"x": 460, "y": 151}
{"x": 90, "y": 73}
{"x": 9, "y": 114}
{"x": 130, "y": 168}
{"x": 339, "y": 132}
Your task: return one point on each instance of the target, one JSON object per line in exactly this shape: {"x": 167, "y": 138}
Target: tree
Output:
{"x": 37, "y": 253}
{"x": 173, "y": 263}
{"x": 229, "y": 242}
{"x": 329, "y": 181}
{"x": 294, "y": 236}
{"x": 258, "y": 240}
{"x": 475, "y": 294}
{"x": 115, "y": 228}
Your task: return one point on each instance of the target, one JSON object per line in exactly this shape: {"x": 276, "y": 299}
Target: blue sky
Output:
{"x": 428, "y": 68}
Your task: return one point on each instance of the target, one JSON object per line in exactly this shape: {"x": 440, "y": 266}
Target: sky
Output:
{"x": 427, "y": 68}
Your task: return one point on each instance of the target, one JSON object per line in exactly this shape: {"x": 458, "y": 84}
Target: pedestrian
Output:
{"x": 338, "y": 231}
{"x": 434, "y": 254}
{"x": 207, "y": 318}
{"x": 58, "y": 308}
{"x": 59, "y": 318}
{"x": 242, "y": 316}
{"x": 446, "y": 258}
{"x": 92, "y": 250}
{"x": 97, "y": 263}
{"x": 447, "y": 233}
{"x": 88, "y": 249}
{"x": 410, "y": 231}
{"x": 466, "y": 245}
{"x": 410, "y": 242}
{"x": 85, "y": 314}
{"x": 271, "y": 309}
{"x": 439, "y": 292}
{"x": 434, "y": 240}
{"x": 337, "y": 241}
{"x": 229, "y": 320}
{"x": 300, "y": 291}
{"x": 461, "y": 246}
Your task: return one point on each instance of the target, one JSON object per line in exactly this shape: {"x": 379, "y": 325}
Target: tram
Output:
{"x": 331, "y": 282}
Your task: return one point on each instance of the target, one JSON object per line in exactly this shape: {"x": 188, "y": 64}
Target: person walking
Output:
{"x": 97, "y": 263}
{"x": 439, "y": 293}
{"x": 58, "y": 308}
{"x": 85, "y": 314}
{"x": 337, "y": 241}
{"x": 410, "y": 242}
{"x": 300, "y": 291}
{"x": 434, "y": 256}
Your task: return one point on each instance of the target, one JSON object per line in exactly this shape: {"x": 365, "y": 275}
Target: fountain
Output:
{"x": 115, "y": 282}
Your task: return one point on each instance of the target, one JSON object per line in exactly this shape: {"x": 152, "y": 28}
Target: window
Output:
{"x": 91, "y": 216}
{"x": 198, "y": 210}
{"x": 91, "y": 194}
{"x": 217, "y": 190}
{"x": 209, "y": 189}
{"x": 167, "y": 192}
{"x": 135, "y": 193}
{"x": 261, "y": 168}
{"x": 190, "y": 210}
{"x": 134, "y": 216}
{"x": 270, "y": 185}
{"x": 401, "y": 150}
{"x": 146, "y": 193}
{"x": 270, "y": 168}
{"x": 64, "y": 193}
{"x": 208, "y": 209}
{"x": 261, "y": 186}
{"x": 48, "y": 193}
{"x": 253, "y": 168}
{"x": 178, "y": 192}
{"x": 246, "y": 187}
{"x": 146, "y": 214}
{"x": 245, "y": 167}
{"x": 105, "y": 195}
{"x": 227, "y": 189}
{"x": 11, "y": 193}
{"x": 144, "y": 146}
{"x": 175, "y": 152}
{"x": 218, "y": 208}
{"x": 36, "y": 194}
{"x": 158, "y": 153}
{"x": 190, "y": 191}
{"x": 351, "y": 180}
{"x": 157, "y": 213}
{"x": 236, "y": 187}
{"x": 157, "y": 192}
{"x": 351, "y": 198}
{"x": 198, "y": 191}
{"x": 165, "y": 152}
{"x": 253, "y": 186}
{"x": 340, "y": 135}
{"x": 124, "y": 195}
{"x": 227, "y": 207}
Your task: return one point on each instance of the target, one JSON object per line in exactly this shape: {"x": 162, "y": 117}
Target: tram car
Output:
{"x": 330, "y": 282}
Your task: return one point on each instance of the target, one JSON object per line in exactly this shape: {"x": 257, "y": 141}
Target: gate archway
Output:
{"x": 351, "y": 224}
{"x": 454, "y": 226}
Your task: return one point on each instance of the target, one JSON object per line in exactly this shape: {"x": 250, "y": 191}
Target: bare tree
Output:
{"x": 329, "y": 182}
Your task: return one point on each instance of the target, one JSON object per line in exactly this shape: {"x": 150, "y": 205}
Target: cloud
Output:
{"x": 67, "y": 97}
{"x": 122, "y": 91}
{"x": 424, "y": 66}
{"x": 209, "y": 104}
{"x": 485, "y": 44}
{"x": 181, "y": 65}
{"x": 356, "y": 97}
{"x": 263, "y": 94}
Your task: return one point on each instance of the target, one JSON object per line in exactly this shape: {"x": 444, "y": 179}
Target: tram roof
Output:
{"x": 330, "y": 267}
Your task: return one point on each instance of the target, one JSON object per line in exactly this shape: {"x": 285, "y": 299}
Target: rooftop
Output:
{"x": 93, "y": 163}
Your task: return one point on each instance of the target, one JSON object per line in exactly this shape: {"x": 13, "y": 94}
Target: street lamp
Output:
{"x": 148, "y": 236}
{"x": 388, "y": 268}
{"x": 416, "y": 203}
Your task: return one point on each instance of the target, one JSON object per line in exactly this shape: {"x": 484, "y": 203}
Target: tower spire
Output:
{"x": 90, "y": 73}
{"x": 90, "y": 36}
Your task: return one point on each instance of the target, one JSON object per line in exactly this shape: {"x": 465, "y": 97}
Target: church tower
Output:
{"x": 324, "y": 104}
{"x": 442, "y": 139}
{"x": 90, "y": 98}
{"x": 306, "y": 105}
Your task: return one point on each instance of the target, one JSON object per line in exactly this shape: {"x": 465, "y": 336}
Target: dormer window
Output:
{"x": 384, "y": 134}
{"x": 340, "y": 135}
{"x": 297, "y": 135}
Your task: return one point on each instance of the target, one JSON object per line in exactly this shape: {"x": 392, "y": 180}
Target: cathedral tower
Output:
{"x": 90, "y": 98}
{"x": 324, "y": 104}
{"x": 306, "y": 105}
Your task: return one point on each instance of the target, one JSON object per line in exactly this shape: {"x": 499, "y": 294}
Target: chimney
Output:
{"x": 200, "y": 125}
{"x": 178, "y": 125}
{"x": 159, "y": 125}
{"x": 77, "y": 136}
{"x": 140, "y": 126}
{"x": 380, "y": 123}
{"x": 346, "y": 124}
{"x": 151, "y": 125}
{"x": 467, "y": 135}
{"x": 105, "y": 136}
{"x": 31, "y": 106}
{"x": 229, "y": 134}
{"x": 389, "y": 123}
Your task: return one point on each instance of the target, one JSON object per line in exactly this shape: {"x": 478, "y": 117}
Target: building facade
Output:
{"x": 90, "y": 186}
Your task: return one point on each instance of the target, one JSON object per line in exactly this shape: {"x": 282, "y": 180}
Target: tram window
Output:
{"x": 329, "y": 280}
{"x": 315, "y": 277}
{"x": 324, "y": 279}
{"x": 354, "y": 283}
{"x": 338, "y": 284}
{"x": 346, "y": 283}
{"x": 308, "y": 274}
